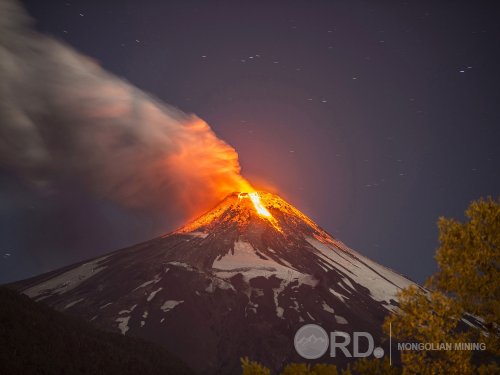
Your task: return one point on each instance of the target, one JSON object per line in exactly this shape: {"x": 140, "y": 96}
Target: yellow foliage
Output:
{"x": 304, "y": 369}
{"x": 253, "y": 368}
{"x": 324, "y": 369}
{"x": 469, "y": 261}
{"x": 367, "y": 366}
{"x": 467, "y": 282}
{"x": 429, "y": 318}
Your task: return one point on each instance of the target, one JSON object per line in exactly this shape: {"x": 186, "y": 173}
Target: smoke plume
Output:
{"x": 63, "y": 118}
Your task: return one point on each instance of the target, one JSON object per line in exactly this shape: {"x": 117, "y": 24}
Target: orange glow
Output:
{"x": 261, "y": 210}
{"x": 239, "y": 208}
{"x": 260, "y": 207}
{"x": 205, "y": 168}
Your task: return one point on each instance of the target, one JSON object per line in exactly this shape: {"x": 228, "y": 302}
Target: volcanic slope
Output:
{"x": 237, "y": 281}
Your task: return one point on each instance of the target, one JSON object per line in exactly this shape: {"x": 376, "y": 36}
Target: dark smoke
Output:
{"x": 65, "y": 119}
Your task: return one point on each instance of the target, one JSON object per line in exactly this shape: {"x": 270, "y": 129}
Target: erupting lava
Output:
{"x": 240, "y": 207}
{"x": 259, "y": 208}
{"x": 255, "y": 198}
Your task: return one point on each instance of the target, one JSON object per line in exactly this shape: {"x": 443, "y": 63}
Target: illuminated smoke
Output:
{"x": 65, "y": 119}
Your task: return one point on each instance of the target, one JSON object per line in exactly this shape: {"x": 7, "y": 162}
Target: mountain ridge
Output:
{"x": 237, "y": 281}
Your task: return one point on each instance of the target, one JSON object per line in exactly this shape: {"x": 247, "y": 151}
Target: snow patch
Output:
{"x": 251, "y": 306}
{"x": 106, "y": 305}
{"x": 243, "y": 256}
{"x": 258, "y": 292}
{"x": 197, "y": 234}
{"x": 276, "y": 293}
{"x": 295, "y": 306}
{"x": 183, "y": 265}
{"x": 389, "y": 307}
{"x": 66, "y": 281}
{"x": 128, "y": 311}
{"x": 345, "y": 288}
{"x": 341, "y": 320}
{"x": 218, "y": 283}
{"x": 279, "y": 312}
{"x": 349, "y": 284}
{"x": 245, "y": 261}
{"x": 382, "y": 283}
{"x": 327, "y": 308}
{"x": 338, "y": 295}
{"x": 153, "y": 294}
{"x": 123, "y": 324}
{"x": 169, "y": 305}
{"x": 73, "y": 303}
{"x": 154, "y": 281}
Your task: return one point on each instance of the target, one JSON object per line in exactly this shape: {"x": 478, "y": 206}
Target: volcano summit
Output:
{"x": 238, "y": 281}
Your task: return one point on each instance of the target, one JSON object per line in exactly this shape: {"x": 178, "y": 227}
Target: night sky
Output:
{"x": 374, "y": 118}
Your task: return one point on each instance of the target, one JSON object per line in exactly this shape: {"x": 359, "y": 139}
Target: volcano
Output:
{"x": 237, "y": 281}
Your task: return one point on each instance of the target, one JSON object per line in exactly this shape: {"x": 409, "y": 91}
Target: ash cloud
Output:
{"x": 65, "y": 119}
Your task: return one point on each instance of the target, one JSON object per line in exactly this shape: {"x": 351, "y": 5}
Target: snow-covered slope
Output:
{"x": 231, "y": 283}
